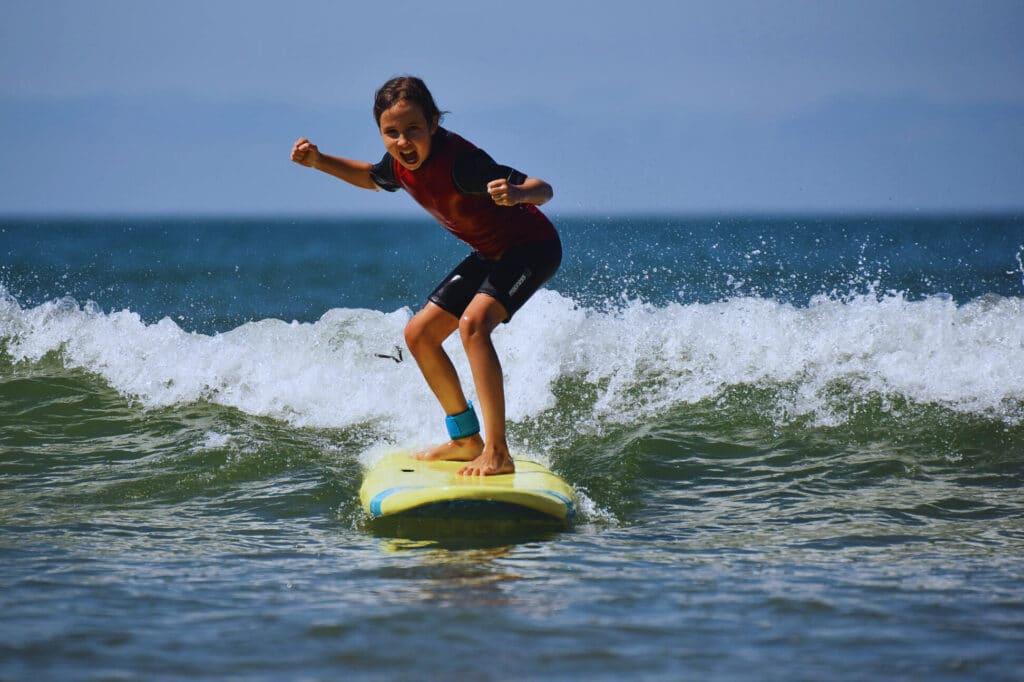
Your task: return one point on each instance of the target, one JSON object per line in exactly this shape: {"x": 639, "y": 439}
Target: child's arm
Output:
{"x": 533, "y": 191}
{"x": 355, "y": 173}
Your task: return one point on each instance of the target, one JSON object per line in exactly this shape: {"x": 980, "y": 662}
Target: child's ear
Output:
{"x": 435, "y": 123}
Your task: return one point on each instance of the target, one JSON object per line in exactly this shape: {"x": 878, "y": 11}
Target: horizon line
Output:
{"x": 1002, "y": 212}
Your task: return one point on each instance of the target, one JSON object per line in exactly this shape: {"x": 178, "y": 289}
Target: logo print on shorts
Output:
{"x": 519, "y": 282}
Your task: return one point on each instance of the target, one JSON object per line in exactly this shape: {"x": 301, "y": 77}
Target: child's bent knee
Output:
{"x": 472, "y": 328}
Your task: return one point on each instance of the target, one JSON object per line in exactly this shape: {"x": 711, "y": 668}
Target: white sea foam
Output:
{"x": 969, "y": 358}
{"x": 641, "y": 359}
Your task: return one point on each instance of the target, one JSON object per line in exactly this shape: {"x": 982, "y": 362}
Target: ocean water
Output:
{"x": 798, "y": 443}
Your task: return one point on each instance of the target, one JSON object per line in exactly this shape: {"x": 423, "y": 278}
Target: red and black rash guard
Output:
{"x": 452, "y": 186}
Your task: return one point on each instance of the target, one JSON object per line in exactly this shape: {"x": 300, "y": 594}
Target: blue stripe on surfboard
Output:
{"x": 379, "y": 498}
{"x": 570, "y": 508}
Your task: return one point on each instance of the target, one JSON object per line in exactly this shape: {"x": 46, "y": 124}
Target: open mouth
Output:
{"x": 410, "y": 158}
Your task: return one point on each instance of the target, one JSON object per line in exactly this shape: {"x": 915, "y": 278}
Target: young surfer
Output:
{"x": 516, "y": 249}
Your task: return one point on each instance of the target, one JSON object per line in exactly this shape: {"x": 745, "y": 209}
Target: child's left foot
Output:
{"x": 489, "y": 464}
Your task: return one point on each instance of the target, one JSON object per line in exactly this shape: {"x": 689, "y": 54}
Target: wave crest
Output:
{"x": 629, "y": 364}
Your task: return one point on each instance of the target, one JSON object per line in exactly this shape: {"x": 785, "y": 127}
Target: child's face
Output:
{"x": 406, "y": 133}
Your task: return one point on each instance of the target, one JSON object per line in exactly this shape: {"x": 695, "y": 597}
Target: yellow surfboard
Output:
{"x": 400, "y": 484}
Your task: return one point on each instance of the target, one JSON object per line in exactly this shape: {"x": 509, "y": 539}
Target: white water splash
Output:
{"x": 641, "y": 359}
{"x": 1020, "y": 265}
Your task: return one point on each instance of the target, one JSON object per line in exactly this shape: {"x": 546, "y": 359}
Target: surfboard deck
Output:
{"x": 400, "y": 485}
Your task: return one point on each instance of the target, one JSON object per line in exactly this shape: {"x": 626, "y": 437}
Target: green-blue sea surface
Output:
{"x": 797, "y": 442}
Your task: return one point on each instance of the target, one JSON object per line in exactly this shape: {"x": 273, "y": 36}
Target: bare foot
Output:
{"x": 489, "y": 463}
{"x": 461, "y": 450}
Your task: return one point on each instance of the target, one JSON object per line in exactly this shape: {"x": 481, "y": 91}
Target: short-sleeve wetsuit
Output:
{"x": 515, "y": 248}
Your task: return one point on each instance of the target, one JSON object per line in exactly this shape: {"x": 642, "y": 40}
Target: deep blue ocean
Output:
{"x": 797, "y": 441}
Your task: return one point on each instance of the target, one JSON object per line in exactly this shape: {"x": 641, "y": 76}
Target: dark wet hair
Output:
{"x": 410, "y": 89}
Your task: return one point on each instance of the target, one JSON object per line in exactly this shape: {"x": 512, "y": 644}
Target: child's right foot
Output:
{"x": 461, "y": 450}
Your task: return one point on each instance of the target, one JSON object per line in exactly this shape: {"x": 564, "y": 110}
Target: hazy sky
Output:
{"x": 192, "y": 107}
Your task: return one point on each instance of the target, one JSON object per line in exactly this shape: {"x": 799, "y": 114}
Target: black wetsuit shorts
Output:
{"x": 511, "y": 280}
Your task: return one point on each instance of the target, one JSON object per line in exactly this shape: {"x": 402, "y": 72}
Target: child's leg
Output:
{"x": 476, "y": 325}
{"x": 424, "y": 335}
{"x": 488, "y": 293}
